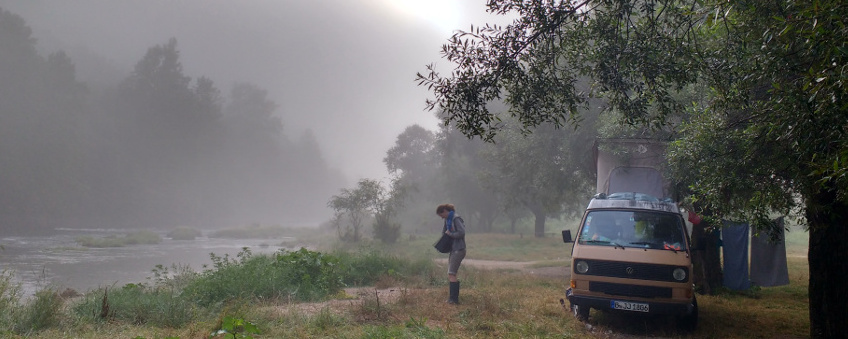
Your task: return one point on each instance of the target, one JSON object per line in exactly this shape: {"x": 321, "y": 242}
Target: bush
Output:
{"x": 387, "y": 231}
{"x": 301, "y": 275}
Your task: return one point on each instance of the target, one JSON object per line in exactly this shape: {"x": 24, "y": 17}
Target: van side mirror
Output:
{"x": 566, "y": 236}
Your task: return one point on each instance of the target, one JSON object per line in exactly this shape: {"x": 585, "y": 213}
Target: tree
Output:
{"x": 42, "y": 132}
{"x": 460, "y": 165}
{"x": 385, "y": 207}
{"x": 771, "y": 139}
{"x": 368, "y": 199}
{"x": 166, "y": 128}
{"x": 540, "y": 172}
{"x": 410, "y": 157}
{"x": 350, "y": 207}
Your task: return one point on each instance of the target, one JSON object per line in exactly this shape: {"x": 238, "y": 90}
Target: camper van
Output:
{"x": 632, "y": 252}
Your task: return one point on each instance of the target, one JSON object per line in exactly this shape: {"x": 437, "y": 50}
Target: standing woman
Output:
{"x": 455, "y": 228}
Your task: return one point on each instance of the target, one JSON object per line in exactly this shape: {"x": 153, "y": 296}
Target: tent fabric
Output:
{"x": 735, "y": 251}
{"x": 639, "y": 154}
{"x": 768, "y": 259}
{"x": 636, "y": 179}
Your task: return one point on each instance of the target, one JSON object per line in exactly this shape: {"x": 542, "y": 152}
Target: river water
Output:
{"x": 58, "y": 262}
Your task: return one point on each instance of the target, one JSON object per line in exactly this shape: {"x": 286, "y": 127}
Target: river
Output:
{"x": 58, "y": 262}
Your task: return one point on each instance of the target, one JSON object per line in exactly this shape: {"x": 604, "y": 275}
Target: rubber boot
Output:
{"x": 454, "y": 293}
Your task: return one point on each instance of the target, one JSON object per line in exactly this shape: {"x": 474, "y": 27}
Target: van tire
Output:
{"x": 689, "y": 322}
{"x": 580, "y": 312}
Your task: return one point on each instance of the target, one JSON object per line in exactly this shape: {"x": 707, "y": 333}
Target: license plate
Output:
{"x": 628, "y": 306}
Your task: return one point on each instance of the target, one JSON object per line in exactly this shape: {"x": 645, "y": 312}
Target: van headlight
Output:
{"x": 581, "y": 266}
{"x": 679, "y": 274}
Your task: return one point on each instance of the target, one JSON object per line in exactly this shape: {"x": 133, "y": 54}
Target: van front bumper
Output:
{"x": 653, "y": 307}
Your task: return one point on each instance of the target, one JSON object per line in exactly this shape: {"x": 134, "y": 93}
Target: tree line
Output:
{"x": 157, "y": 149}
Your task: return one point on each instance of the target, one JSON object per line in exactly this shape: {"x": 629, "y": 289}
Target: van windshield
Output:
{"x": 641, "y": 229}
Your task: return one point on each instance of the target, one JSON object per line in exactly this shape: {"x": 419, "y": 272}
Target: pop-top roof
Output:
{"x": 631, "y": 200}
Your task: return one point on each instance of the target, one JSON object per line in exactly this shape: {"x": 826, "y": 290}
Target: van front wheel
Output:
{"x": 580, "y": 312}
{"x": 689, "y": 322}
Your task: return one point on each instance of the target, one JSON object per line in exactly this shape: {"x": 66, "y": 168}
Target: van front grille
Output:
{"x": 628, "y": 270}
{"x": 630, "y": 290}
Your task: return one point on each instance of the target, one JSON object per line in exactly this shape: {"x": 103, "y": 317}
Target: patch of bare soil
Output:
{"x": 340, "y": 306}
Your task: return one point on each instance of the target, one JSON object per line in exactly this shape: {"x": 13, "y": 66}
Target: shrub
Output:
{"x": 388, "y": 232}
{"x": 301, "y": 275}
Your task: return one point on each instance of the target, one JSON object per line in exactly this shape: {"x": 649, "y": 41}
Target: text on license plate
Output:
{"x": 628, "y": 306}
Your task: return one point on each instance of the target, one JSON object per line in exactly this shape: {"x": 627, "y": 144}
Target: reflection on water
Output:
{"x": 59, "y": 262}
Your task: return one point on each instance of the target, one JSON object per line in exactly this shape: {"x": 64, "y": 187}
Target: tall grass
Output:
{"x": 136, "y": 304}
{"x": 367, "y": 266}
{"x": 9, "y": 298}
{"x": 42, "y": 311}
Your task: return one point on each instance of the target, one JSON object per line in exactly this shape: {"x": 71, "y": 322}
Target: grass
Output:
{"x": 135, "y": 238}
{"x": 494, "y": 303}
{"x": 184, "y": 233}
{"x": 254, "y": 231}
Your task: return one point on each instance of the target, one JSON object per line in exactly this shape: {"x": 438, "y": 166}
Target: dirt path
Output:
{"x": 521, "y": 266}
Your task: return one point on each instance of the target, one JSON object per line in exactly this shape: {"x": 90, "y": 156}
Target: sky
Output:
{"x": 343, "y": 69}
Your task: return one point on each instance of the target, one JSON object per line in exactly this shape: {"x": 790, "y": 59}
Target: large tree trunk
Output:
{"x": 540, "y": 223}
{"x": 706, "y": 258}
{"x": 828, "y": 259}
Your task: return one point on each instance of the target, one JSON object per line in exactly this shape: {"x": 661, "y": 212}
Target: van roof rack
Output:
{"x": 630, "y": 196}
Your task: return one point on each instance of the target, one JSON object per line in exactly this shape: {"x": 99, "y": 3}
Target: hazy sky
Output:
{"x": 343, "y": 68}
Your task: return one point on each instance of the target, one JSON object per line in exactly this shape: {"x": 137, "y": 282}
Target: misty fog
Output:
{"x": 206, "y": 113}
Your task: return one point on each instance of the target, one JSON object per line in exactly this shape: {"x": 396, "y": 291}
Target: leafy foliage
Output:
{"x": 368, "y": 199}
{"x": 299, "y": 275}
{"x": 237, "y": 328}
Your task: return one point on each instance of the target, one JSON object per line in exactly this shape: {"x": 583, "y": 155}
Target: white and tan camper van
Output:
{"x": 631, "y": 254}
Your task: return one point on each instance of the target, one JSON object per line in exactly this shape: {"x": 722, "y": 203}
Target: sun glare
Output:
{"x": 442, "y": 14}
